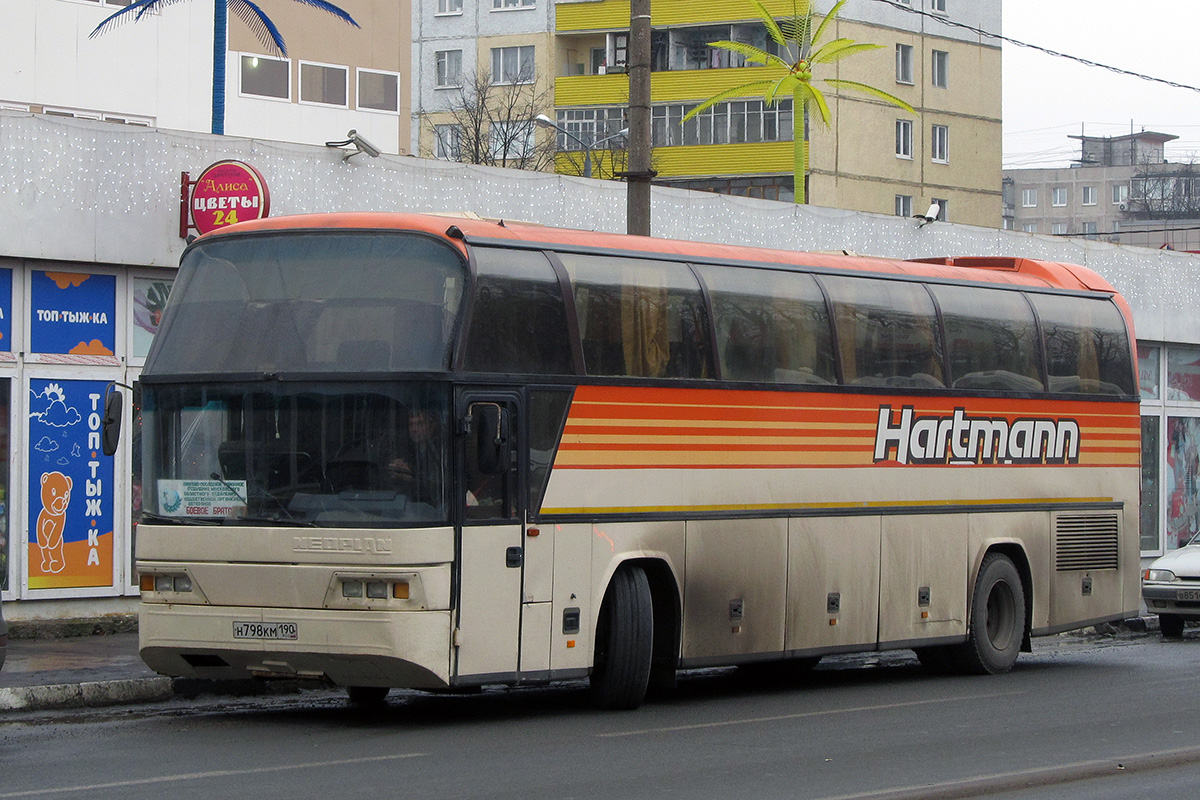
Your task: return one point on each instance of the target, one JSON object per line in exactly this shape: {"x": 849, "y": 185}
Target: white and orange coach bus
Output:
{"x": 395, "y": 450}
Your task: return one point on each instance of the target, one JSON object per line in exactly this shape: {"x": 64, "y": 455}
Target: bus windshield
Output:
{"x": 311, "y": 302}
{"x": 322, "y": 454}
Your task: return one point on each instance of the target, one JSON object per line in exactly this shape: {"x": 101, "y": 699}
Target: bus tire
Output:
{"x": 367, "y": 695}
{"x": 624, "y": 642}
{"x": 1170, "y": 626}
{"x": 997, "y": 619}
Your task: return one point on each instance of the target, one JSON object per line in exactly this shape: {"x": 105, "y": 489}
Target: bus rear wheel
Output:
{"x": 997, "y": 619}
{"x": 624, "y": 641}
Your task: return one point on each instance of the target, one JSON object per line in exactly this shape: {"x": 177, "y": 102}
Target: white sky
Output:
{"x": 1047, "y": 99}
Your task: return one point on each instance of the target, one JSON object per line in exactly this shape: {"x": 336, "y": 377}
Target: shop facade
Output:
{"x": 90, "y": 218}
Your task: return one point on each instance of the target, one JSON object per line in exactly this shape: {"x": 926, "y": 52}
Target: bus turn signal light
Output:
{"x": 400, "y": 590}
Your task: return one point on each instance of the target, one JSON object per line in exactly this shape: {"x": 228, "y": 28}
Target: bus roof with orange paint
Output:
{"x": 1013, "y": 271}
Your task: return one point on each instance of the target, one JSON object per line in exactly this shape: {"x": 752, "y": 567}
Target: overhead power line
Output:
{"x": 1000, "y": 37}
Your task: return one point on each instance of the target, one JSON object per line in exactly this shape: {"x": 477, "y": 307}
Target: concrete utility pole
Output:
{"x": 639, "y": 174}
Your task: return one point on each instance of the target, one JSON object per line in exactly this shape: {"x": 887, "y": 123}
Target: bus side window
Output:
{"x": 991, "y": 339}
{"x": 887, "y": 333}
{"x": 772, "y": 326}
{"x": 639, "y": 317}
{"x": 519, "y": 319}
{"x": 1087, "y": 347}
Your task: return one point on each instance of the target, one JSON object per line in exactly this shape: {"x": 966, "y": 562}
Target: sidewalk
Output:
{"x": 78, "y": 671}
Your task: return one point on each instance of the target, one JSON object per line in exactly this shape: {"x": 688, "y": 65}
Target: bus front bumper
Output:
{"x": 405, "y": 649}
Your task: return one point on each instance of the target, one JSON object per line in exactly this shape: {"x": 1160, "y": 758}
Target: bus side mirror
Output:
{"x": 110, "y": 426}
{"x": 490, "y": 424}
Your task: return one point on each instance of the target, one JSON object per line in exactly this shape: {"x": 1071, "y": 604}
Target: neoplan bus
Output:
{"x": 393, "y": 450}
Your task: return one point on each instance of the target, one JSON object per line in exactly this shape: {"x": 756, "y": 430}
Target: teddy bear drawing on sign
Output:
{"x": 52, "y": 521}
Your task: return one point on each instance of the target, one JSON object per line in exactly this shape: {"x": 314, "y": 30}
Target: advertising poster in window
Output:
{"x": 149, "y": 300}
{"x": 6, "y": 280}
{"x": 73, "y": 313}
{"x": 1183, "y": 461}
{"x": 70, "y": 487}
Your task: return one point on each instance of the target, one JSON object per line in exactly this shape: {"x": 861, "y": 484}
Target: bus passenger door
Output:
{"x": 491, "y": 556}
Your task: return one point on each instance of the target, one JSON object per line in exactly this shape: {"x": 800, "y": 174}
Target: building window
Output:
{"x": 1059, "y": 229}
{"x": 941, "y": 69}
{"x": 938, "y": 6}
{"x": 512, "y": 64}
{"x": 1029, "y": 198}
{"x": 1089, "y": 230}
{"x": 512, "y": 140}
{"x": 592, "y": 125}
{"x": 943, "y": 205}
{"x": 941, "y": 144}
{"x": 449, "y": 68}
{"x": 1029, "y": 227}
{"x": 1089, "y": 195}
{"x": 264, "y": 76}
{"x": 1058, "y": 196}
{"x": 449, "y": 7}
{"x": 904, "y": 205}
{"x": 378, "y": 91}
{"x": 904, "y": 63}
{"x": 1006, "y": 224}
{"x": 733, "y": 122}
{"x": 904, "y": 128}
{"x": 447, "y": 142}
{"x": 1120, "y": 193}
{"x": 324, "y": 84}
{"x": 499, "y": 5}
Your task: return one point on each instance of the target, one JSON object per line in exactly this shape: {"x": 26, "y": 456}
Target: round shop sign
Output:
{"x": 226, "y": 193}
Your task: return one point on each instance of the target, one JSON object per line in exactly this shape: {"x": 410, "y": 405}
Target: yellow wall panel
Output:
{"x": 724, "y": 159}
{"x": 665, "y": 87}
{"x": 608, "y": 14}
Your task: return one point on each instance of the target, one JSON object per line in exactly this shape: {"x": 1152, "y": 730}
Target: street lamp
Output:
{"x": 546, "y": 122}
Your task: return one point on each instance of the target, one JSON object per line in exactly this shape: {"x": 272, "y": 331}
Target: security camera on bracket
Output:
{"x": 361, "y": 145}
{"x": 929, "y": 216}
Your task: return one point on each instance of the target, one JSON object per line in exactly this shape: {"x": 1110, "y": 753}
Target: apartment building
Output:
{"x": 482, "y": 70}
{"x": 158, "y": 72}
{"x": 1121, "y": 189}
{"x": 873, "y": 157}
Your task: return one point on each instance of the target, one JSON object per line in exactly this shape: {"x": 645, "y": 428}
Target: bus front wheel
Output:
{"x": 997, "y": 618}
{"x": 624, "y": 641}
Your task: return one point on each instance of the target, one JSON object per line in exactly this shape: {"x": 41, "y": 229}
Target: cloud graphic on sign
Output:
{"x": 93, "y": 348}
{"x": 46, "y": 445}
{"x": 64, "y": 280}
{"x": 50, "y": 408}
{"x": 64, "y": 461}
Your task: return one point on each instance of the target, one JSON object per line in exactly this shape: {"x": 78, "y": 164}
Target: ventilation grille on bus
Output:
{"x": 1086, "y": 542}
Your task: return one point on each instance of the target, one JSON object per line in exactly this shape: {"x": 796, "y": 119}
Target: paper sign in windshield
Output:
{"x": 201, "y": 498}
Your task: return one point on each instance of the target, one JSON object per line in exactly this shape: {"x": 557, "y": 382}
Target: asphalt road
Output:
{"x": 1083, "y": 716}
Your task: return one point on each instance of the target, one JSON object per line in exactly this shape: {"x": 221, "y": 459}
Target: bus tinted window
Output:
{"x": 1087, "y": 347}
{"x": 991, "y": 339}
{"x": 639, "y": 317}
{"x": 312, "y": 302}
{"x": 519, "y": 321}
{"x": 771, "y": 326}
{"x": 887, "y": 333}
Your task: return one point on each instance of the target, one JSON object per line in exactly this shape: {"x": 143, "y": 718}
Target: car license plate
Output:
{"x": 265, "y": 630}
{"x": 1187, "y": 595}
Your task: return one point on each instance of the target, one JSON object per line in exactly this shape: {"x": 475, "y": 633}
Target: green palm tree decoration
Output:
{"x": 262, "y": 25}
{"x": 802, "y": 46}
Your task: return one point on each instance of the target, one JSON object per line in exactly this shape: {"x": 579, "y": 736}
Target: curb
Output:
{"x": 88, "y": 694}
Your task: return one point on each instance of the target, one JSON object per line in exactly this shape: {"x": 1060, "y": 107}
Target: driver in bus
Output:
{"x": 419, "y": 470}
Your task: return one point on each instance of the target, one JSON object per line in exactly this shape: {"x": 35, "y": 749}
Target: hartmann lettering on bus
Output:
{"x": 962, "y": 439}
